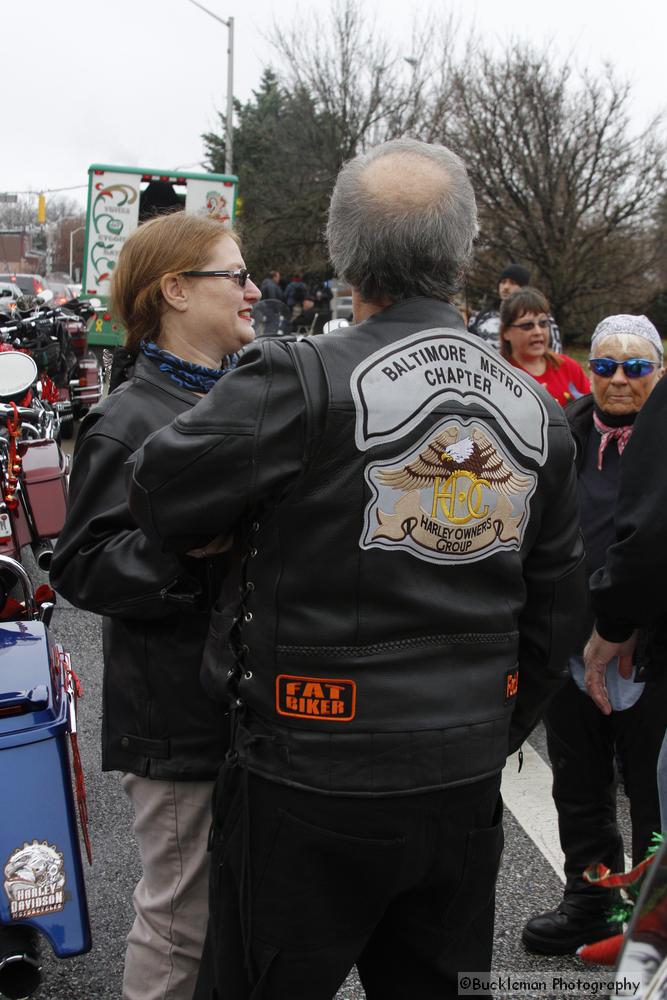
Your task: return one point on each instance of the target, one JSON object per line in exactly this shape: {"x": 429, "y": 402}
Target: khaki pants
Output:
{"x": 164, "y": 946}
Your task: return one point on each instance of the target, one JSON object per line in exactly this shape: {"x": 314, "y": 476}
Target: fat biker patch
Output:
{"x": 511, "y": 684}
{"x": 35, "y": 880}
{"x": 457, "y": 496}
{"x": 331, "y": 700}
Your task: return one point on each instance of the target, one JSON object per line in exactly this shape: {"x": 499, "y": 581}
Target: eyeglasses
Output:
{"x": 541, "y": 324}
{"x": 632, "y": 368}
{"x": 240, "y": 277}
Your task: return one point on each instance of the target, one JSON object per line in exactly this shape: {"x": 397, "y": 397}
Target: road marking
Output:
{"x": 528, "y": 797}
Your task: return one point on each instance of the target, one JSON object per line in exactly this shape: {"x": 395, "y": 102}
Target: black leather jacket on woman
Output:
{"x": 157, "y": 721}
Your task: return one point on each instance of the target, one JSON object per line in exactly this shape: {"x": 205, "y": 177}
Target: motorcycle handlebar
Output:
{"x": 25, "y": 412}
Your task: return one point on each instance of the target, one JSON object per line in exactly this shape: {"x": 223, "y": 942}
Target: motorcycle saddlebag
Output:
{"x": 41, "y": 877}
{"x": 44, "y": 478}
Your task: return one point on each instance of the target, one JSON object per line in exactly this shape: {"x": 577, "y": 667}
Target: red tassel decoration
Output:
{"x": 603, "y": 952}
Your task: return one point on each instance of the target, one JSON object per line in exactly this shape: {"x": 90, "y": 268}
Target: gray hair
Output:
{"x": 387, "y": 238}
{"x": 626, "y": 324}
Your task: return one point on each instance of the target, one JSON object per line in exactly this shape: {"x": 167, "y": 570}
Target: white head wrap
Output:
{"x": 636, "y": 326}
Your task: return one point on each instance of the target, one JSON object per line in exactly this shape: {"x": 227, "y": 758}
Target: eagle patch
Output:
{"x": 457, "y": 496}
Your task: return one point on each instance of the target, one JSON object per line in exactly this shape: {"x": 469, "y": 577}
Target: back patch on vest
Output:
{"x": 457, "y": 496}
{"x": 395, "y": 388}
{"x": 324, "y": 698}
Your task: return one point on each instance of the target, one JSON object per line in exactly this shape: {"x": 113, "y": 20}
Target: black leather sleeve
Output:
{"x": 556, "y": 599}
{"x": 103, "y": 562}
{"x": 242, "y": 445}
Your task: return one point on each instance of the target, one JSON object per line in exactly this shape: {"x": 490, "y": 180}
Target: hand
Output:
{"x": 222, "y": 543}
{"x": 597, "y": 654}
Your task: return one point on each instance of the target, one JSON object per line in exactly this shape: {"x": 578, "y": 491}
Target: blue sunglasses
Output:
{"x": 633, "y": 367}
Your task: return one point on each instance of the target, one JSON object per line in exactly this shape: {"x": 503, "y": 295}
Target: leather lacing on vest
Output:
{"x": 240, "y": 737}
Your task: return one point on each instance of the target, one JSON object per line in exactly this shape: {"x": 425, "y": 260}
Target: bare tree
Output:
{"x": 22, "y": 214}
{"x": 562, "y": 184}
{"x": 365, "y": 88}
{"x": 19, "y": 214}
{"x": 343, "y": 91}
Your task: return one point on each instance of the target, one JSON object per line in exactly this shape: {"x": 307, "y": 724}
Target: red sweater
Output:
{"x": 565, "y": 383}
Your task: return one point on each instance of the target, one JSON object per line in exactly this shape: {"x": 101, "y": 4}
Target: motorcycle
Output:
{"x": 84, "y": 375}
{"x": 57, "y": 339}
{"x": 33, "y": 470}
{"x": 42, "y": 889}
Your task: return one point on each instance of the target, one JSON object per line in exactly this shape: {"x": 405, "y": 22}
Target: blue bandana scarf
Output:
{"x": 187, "y": 374}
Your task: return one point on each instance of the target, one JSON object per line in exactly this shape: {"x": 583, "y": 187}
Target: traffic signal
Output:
{"x": 41, "y": 209}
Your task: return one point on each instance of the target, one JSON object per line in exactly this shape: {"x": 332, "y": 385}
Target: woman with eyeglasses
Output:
{"x": 524, "y": 341}
{"x": 626, "y": 362}
{"x": 181, "y": 290}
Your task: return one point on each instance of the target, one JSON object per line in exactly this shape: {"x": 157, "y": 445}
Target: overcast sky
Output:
{"x": 136, "y": 82}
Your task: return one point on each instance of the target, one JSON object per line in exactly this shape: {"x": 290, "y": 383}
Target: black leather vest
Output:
{"x": 380, "y": 627}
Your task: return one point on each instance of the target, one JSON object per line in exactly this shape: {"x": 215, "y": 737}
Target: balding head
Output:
{"x": 402, "y": 221}
{"x": 384, "y": 181}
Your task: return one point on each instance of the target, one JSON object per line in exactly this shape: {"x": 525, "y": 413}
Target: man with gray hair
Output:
{"x": 403, "y": 504}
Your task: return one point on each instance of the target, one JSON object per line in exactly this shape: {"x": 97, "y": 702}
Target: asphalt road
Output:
{"x": 527, "y": 885}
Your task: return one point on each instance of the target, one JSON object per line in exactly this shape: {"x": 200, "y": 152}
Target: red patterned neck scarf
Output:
{"x": 620, "y": 434}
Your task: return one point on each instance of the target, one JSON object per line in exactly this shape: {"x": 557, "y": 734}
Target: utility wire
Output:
{"x": 73, "y": 187}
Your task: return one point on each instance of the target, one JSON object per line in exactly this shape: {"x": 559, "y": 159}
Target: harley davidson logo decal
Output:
{"x": 457, "y": 496}
{"x": 35, "y": 880}
{"x": 316, "y": 698}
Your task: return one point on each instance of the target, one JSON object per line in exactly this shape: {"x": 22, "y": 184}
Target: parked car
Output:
{"x": 29, "y": 284}
{"x": 62, "y": 292}
{"x": 9, "y": 295}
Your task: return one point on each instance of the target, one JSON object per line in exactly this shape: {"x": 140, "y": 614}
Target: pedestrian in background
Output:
{"x": 271, "y": 288}
{"x": 524, "y": 341}
{"x": 184, "y": 297}
{"x": 626, "y": 363}
{"x": 380, "y": 672}
{"x": 295, "y": 293}
{"x": 486, "y": 322}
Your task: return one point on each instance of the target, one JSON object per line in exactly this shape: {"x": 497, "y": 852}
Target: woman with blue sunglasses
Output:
{"x": 626, "y": 361}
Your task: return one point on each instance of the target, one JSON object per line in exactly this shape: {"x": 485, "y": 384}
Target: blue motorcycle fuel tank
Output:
{"x": 41, "y": 876}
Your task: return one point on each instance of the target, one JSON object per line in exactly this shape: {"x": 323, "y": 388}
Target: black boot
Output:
{"x": 562, "y": 931}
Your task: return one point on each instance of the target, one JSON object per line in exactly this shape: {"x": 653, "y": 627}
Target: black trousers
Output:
{"x": 303, "y": 886}
{"x": 582, "y": 744}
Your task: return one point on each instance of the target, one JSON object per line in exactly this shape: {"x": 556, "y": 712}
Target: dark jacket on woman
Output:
{"x": 157, "y": 721}
{"x": 599, "y": 525}
{"x": 628, "y": 591}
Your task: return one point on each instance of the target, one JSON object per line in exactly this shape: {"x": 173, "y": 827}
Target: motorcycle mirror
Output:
{"x": 44, "y": 296}
{"x": 334, "y": 324}
{"x": 17, "y": 373}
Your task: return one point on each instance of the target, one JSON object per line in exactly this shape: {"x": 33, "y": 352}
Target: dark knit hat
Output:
{"x": 515, "y": 272}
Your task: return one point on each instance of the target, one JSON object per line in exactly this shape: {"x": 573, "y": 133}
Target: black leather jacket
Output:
{"x": 157, "y": 721}
{"x": 411, "y": 509}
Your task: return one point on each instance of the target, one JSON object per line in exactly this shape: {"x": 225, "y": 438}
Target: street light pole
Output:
{"x": 229, "y": 130}
{"x": 71, "y": 247}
